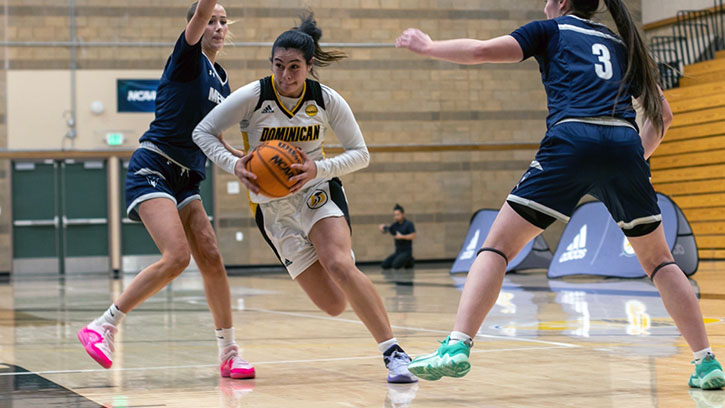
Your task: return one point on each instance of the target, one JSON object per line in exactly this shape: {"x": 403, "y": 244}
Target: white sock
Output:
{"x": 699, "y": 355}
{"x": 112, "y": 316}
{"x": 457, "y": 336}
{"x": 224, "y": 338}
{"x": 384, "y": 346}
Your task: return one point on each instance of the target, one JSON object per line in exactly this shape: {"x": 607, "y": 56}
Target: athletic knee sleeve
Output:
{"x": 660, "y": 266}
{"x": 495, "y": 251}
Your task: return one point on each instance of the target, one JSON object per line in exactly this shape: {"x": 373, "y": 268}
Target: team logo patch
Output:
{"x": 317, "y": 199}
{"x": 311, "y": 110}
{"x": 244, "y": 124}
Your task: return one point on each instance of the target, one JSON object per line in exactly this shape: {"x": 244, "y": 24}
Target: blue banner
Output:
{"x": 593, "y": 244}
{"x": 136, "y": 95}
{"x": 477, "y": 232}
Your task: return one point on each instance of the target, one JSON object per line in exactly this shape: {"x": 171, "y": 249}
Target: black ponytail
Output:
{"x": 306, "y": 38}
{"x": 641, "y": 69}
{"x": 641, "y": 74}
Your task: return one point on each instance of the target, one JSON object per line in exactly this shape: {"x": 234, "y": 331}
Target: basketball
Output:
{"x": 271, "y": 162}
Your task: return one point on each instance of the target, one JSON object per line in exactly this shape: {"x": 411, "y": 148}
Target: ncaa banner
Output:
{"x": 536, "y": 253}
{"x": 593, "y": 244}
{"x": 136, "y": 95}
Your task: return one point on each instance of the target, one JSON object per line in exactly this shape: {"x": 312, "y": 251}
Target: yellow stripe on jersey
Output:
{"x": 252, "y": 206}
{"x": 299, "y": 102}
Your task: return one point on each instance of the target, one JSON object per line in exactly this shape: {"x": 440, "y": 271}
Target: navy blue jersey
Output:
{"x": 406, "y": 227}
{"x": 189, "y": 88}
{"x": 582, "y": 66}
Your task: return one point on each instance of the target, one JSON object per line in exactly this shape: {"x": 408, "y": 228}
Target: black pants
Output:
{"x": 398, "y": 260}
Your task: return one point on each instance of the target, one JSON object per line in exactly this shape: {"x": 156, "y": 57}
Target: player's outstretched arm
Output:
{"x": 197, "y": 24}
{"x": 464, "y": 50}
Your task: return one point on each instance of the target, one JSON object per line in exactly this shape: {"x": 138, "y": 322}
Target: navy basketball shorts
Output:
{"x": 577, "y": 158}
{"x": 151, "y": 175}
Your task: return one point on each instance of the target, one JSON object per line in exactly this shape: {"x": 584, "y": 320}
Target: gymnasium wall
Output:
{"x": 398, "y": 99}
{"x": 655, "y": 10}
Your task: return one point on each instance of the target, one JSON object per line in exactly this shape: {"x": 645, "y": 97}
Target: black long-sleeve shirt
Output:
{"x": 406, "y": 227}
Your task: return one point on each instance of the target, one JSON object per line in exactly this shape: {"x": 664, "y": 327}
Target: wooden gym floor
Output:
{"x": 547, "y": 343}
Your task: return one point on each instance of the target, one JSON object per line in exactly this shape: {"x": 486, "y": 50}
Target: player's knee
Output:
{"x": 335, "y": 307}
{"x": 209, "y": 258}
{"x": 655, "y": 266}
{"x": 175, "y": 261}
{"x": 504, "y": 254}
{"x": 340, "y": 269}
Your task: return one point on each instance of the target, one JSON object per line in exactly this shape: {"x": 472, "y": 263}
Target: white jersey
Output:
{"x": 262, "y": 114}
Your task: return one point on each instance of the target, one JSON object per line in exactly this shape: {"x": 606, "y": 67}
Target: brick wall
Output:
{"x": 397, "y": 97}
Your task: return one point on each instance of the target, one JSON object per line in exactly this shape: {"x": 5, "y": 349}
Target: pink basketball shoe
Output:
{"x": 234, "y": 366}
{"x": 98, "y": 342}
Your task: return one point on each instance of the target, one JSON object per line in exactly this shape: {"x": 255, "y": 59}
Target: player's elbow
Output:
{"x": 197, "y": 135}
{"x": 364, "y": 158}
{"x": 667, "y": 115}
{"x": 481, "y": 52}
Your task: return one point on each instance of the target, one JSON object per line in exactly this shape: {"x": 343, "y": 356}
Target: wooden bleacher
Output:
{"x": 689, "y": 166}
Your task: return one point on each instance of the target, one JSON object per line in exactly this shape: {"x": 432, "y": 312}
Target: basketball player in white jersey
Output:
{"x": 309, "y": 229}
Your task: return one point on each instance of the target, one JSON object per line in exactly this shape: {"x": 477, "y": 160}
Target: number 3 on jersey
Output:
{"x": 603, "y": 70}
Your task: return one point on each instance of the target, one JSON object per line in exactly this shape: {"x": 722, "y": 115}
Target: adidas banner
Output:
{"x": 536, "y": 253}
{"x": 593, "y": 244}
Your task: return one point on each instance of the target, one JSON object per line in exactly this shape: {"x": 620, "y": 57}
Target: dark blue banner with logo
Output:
{"x": 536, "y": 253}
{"x": 593, "y": 244}
{"x": 136, "y": 95}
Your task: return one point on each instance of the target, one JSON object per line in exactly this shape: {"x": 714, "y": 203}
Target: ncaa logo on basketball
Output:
{"x": 317, "y": 200}
{"x": 311, "y": 110}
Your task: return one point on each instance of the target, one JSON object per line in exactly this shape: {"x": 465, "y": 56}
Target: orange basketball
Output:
{"x": 271, "y": 163}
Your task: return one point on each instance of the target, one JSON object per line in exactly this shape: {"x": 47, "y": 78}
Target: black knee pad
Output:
{"x": 534, "y": 217}
{"x": 495, "y": 251}
{"x": 660, "y": 266}
{"x": 642, "y": 229}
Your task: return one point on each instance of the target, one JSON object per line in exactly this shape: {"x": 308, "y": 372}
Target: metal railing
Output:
{"x": 666, "y": 54}
{"x": 695, "y": 26}
{"x": 696, "y": 36}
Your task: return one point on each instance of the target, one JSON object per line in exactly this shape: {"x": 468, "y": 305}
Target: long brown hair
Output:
{"x": 641, "y": 70}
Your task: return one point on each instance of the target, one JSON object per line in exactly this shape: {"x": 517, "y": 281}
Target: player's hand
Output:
{"x": 308, "y": 171}
{"x": 231, "y": 148}
{"x": 414, "y": 40}
{"x": 245, "y": 176}
{"x": 398, "y": 235}
{"x": 381, "y": 227}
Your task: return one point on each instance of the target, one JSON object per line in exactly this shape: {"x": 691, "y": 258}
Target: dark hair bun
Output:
{"x": 309, "y": 26}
